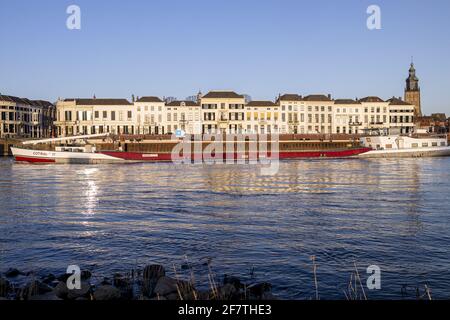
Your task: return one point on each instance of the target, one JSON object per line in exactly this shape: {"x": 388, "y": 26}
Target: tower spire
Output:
{"x": 412, "y": 90}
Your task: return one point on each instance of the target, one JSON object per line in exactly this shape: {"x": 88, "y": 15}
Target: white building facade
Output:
{"x": 183, "y": 115}
{"x": 227, "y": 112}
{"x": 151, "y": 115}
{"x": 91, "y": 116}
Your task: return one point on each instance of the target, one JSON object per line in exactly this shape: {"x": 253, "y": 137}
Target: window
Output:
{"x": 113, "y": 115}
{"x": 130, "y": 115}
{"x": 105, "y": 114}
{"x": 96, "y": 114}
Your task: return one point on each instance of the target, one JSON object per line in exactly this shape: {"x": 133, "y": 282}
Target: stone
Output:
{"x": 165, "y": 286}
{"x": 154, "y": 271}
{"x": 185, "y": 266}
{"x": 4, "y": 287}
{"x": 12, "y": 273}
{"x": 61, "y": 290}
{"x": 187, "y": 290}
{"x": 48, "y": 279}
{"x": 34, "y": 288}
{"x": 120, "y": 281}
{"x": 85, "y": 275}
{"x": 78, "y": 293}
{"x": 151, "y": 275}
{"x": 63, "y": 277}
{"x": 172, "y": 296}
{"x": 107, "y": 293}
{"x": 232, "y": 280}
{"x": 49, "y": 296}
{"x": 259, "y": 289}
{"x": 227, "y": 292}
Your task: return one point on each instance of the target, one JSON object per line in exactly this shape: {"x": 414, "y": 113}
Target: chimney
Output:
{"x": 329, "y": 96}
{"x": 132, "y": 98}
{"x": 94, "y": 97}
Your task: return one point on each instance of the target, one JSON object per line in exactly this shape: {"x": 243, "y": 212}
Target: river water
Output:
{"x": 107, "y": 218}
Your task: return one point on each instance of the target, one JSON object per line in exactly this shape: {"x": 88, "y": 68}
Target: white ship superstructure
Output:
{"x": 397, "y": 146}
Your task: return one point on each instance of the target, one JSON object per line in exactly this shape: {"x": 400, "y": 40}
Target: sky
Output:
{"x": 256, "y": 47}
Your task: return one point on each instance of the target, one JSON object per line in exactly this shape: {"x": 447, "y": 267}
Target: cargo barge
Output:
{"x": 92, "y": 149}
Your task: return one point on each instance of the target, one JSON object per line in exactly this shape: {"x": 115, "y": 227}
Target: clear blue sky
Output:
{"x": 258, "y": 47}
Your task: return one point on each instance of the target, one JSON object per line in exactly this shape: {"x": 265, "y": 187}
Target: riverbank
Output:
{"x": 149, "y": 283}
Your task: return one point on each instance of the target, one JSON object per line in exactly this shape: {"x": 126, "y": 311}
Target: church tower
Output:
{"x": 412, "y": 91}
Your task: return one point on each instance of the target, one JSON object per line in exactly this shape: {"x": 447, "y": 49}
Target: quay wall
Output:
{"x": 6, "y": 144}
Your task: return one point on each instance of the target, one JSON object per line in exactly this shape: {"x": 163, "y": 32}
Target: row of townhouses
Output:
{"x": 228, "y": 112}
{"x": 219, "y": 112}
{"x": 21, "y": 117}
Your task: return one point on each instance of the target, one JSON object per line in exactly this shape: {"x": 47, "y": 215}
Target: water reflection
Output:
{"x": 387, "y": 212}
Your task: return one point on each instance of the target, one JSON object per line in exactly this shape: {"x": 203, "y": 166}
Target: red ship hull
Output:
{"x": 36, "y": 156}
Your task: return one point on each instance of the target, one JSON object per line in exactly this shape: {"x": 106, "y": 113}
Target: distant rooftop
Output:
{"x": 371, "y": 99}
{"x": 317, "y": 97}
{"x": 149, "y": 99}
{"x": 398, "y": 102}
{"x": 261, "y": 104}
{"x": 346, "y": 101}
{"x": 222, "y": 95}
{"x": 38, "y": 103}
{"x": 99, "y": 102}
{"x": 290, "y": 97}
{"x": 182, "y": 103}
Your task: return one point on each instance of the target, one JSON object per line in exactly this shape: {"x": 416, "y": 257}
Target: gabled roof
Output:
{"x": 371, "y": 99}
{"x": 149, "y": 99}
{"x": 346, "y": 101}
{"x": 317, "y": 97}
{"x": 439, "y": 117}
{"x": 261, "y": 104}
{"x": 290, "y": 97}
{"x": 397, "y": 102}
{"x": 182, "y": 103}
{"x": 15, "y": 99}
{"x": 222, "y": 95}
{"x": 43, "y": 103}
{"x": 99, "y": 102}
{"x": 26, "y": 101}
